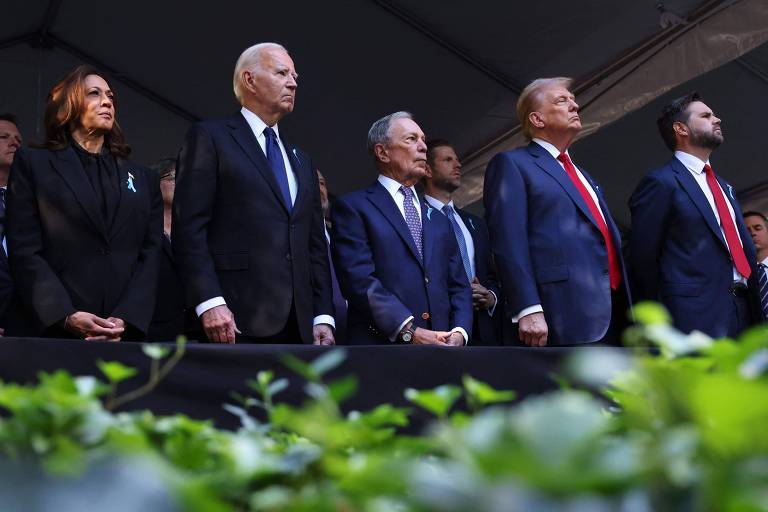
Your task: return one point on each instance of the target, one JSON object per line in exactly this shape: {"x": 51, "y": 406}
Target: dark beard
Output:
{"x": 708, "y": 140}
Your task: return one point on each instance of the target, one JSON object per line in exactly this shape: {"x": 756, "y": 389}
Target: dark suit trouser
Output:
{"x": 289, "y": 335}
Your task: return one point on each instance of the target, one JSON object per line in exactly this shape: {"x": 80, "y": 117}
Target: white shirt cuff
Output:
{"x": 324, "y": 319}
{"x": 208, "y": 304}
{"x": 463, "y": 333}
{"x": 495, "y": 303}
{"x": 393, "y": 337}
{"x": 527, "y": 311}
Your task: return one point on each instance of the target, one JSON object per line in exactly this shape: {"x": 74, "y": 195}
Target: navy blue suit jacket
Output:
{"x": 486, "y": 328}
{"x": 678, "y": 255}
{"x": 547, "y": 247}
{"x": 382, "y": 276}
{"x": 233, "y": 235}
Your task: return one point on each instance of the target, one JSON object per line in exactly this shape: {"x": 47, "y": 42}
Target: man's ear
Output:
{"x": 536, "y": 120}
{"x": 680, "y": 129}
{"x": 381, "y": 153}
{"x": 428, "y": 170}
{"x": 248, "y": 80}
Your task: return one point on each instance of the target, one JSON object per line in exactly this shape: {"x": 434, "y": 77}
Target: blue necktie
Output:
{"x": 275, "y": 159}
{"x": 412, "y": 218}
{"x": 450, "y": 212}
{"x": 761, "y": 272}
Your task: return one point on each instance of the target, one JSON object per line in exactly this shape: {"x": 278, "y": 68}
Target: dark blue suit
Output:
{"x": 547, "y": 247}
{"x": 382, "y": 275}
{"x": 486, "y": 328}
{"x": 678, "y": 255}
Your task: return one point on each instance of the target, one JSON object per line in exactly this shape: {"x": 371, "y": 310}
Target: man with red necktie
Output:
{"x": 556, "y": 247}
{"x": 689, "y": 246}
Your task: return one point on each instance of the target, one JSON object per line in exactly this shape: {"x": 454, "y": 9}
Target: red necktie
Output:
{"x": 726, "y": 222}
{"x": 613, "y": 262}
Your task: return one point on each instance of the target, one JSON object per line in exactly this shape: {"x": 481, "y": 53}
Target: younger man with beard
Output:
{"x": 689, "y": 246}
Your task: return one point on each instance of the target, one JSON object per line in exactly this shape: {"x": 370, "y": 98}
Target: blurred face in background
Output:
{"x": 10, "y": 141}
{"x": 168, "y": 186}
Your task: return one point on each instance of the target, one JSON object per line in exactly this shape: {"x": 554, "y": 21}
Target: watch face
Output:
{"x": 407, "y": 336}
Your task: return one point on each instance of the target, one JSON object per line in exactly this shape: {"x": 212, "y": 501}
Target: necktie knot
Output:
{"x": 407, "y": 192}
{"x": 269, "y": 134}
{"x": 708, "y": 170}
{"x": 563, "y": 157}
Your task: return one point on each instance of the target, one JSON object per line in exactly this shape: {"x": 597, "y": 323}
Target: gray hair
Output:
{"x": 379, "y": 132}
{"x": 250, "y": 60}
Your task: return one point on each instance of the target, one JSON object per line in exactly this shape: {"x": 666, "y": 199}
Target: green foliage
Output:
{"x": 681, "y": 431}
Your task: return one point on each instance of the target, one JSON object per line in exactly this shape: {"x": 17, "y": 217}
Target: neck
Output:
{"x": 441, "y": 195}
{"x": 90, "y": 141}
{"x": 561, "y": 140}
{"x": 167, "y": 219}
{"x": 4, "y": 171}
{"x": 405, "y": 181}
{"x": 700, "y": 153}
{"x": 762, "y": 254}
{"x": 269, "y": 118}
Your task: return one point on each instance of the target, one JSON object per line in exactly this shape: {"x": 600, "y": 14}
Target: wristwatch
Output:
{"x": 406, "y": 335}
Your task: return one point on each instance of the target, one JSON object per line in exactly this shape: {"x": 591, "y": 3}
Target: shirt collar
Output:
{"x": 765, "y": 262}
{"x": 256, "y": 124}
{"x": 690, "y": 162}
{"x": 393, "y": 186}
{"x": 551, "y": 149}
{"x": 438, "y": 204}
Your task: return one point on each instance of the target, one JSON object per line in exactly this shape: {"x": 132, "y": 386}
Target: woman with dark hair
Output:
{"x": 84, "y": 224}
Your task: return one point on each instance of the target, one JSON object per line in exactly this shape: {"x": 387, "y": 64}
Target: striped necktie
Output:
{"x": 762, "y": 272}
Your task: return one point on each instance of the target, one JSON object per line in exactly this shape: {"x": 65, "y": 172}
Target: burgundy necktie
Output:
{"x": 726, "y": 222}
{"x": 613, "y": 263}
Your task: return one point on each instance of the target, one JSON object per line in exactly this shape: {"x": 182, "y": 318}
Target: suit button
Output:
{"x": 426, "y": 280}
{"x": 425, "y": 316}
{"x": 288, "y": 256}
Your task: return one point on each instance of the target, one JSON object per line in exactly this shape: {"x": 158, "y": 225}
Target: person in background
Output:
{"x": 10, "y": 142}
{"x": 84, "y": 222}
{"x": 168, "y": 321}
{"x": 442, "y": 180}
{"x": 757, "y": 225}
{"x": 339, "y": 303}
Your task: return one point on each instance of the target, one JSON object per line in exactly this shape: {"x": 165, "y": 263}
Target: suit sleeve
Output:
{"x": 137, "y": 303}
{"x": 650, "y": 205}
{"x": 322, "y": 287}
{"x": 356, "y": 271}
{"x": 37, "y": 284}
{"x": 506, "y": 206}
{"x": 490, "y": 280}
{"x": 193, "y": 204}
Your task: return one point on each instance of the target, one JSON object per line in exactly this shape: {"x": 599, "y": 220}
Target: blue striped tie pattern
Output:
{"x": 412, "y": 218}
{"x": 451, "y": 214}
{"x": 763, "y": 275}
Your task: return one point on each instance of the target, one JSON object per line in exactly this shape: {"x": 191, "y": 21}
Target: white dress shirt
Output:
{"x": 393, "y": 188}
{"x": 552, "y": 150}
{"x": 696, "y": 168}
{"x": 258, "y": 126}
{"x": 468, "y": 240}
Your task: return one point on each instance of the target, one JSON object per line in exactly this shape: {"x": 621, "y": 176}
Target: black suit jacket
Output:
{"x": 486, "y": 328}
{"x": 64, "y": 258}
{"x": 6, "y": 286}
{"x": 168, "y": 320}
{"x": 234, "y": 237}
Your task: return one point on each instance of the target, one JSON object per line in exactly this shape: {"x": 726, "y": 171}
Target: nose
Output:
{"x": 16, "y": 143}
{"x": 574, "y": 106}
{"x": 422, "y": 146}
{"x": 106, "y": 101}
{"x": 292, "y": 83}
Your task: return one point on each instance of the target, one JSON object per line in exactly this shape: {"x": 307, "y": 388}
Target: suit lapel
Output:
{"x": 692, "y": 188}
{"x": 127, "y": 197}
{"x": 549, "y": 165}
{"x": 381, "y": 199}
{"x": 69, "y": 167}
{"x": 245, "y": 138}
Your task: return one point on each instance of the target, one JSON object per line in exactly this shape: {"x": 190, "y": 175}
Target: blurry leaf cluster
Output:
{"x": 682, "y": 428}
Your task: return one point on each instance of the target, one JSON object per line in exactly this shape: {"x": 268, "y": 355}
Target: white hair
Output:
{"x": 250, "y": 60}
{"x": 379, "y": 132}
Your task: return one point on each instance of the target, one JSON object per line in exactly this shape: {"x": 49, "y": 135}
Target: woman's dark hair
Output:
{"x": 63, "y": 110}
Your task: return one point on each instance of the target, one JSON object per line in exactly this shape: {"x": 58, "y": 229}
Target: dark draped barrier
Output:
{"x": 208, "y": 374}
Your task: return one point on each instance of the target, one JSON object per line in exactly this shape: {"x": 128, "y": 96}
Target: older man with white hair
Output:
{"x": 248, "y": 226}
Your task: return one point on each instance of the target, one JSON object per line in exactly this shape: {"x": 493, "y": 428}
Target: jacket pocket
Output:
{"x": 552, "y": 274}
{"x": 231, "y": 261}
{"x": 681, "y": 289}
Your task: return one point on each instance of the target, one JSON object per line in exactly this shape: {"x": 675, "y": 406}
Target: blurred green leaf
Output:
{"x": 342, "y": 389}
{"x": 652, "y": 313}
{"x": 438, "y": 401}
{"x": 115, "y": 371}
{"x": 480, "y": 394}
{"x": 328, "y": 361}
{"x": 155, "y": 350}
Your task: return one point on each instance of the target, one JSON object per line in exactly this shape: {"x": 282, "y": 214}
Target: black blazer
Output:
{"x": 64, "y": 258}
{"x": 169, "y": 318}
{"x": 6, "y": 286}
{"x": 486, "y": 327}
{"x": 234, "y": 237}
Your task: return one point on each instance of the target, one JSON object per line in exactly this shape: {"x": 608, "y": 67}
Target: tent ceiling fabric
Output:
{"x": 357, "y": 60}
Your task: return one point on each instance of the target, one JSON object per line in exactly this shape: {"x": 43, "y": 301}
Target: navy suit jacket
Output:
{"x": 678, "y": 255}
{"x": 486, "y": 328}
{"x": 382, "y": 275}
{"x": 547, "y": 247}
{"x": 234, "y": 237}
